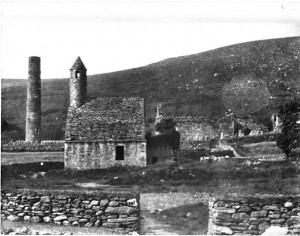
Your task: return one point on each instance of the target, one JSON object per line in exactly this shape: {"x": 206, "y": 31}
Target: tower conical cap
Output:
{"x": 78, "y": 64}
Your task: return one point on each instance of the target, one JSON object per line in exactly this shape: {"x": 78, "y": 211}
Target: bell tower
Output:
{"x": 33, "y": 104}
{"x": 78, "y": 84}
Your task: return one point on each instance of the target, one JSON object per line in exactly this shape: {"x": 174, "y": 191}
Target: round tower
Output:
{"x": 33, "y": 106}
{"x": 78, "y": 84}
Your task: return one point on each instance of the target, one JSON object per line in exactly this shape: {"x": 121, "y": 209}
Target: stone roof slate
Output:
{"x": 107, "y": 119}
{"x": 78, "y": 65}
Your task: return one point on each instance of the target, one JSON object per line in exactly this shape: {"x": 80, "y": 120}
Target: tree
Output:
{"x": 169, "y": 135}
{"x": 165, "y": 125}
{"x": 289, "y": 138}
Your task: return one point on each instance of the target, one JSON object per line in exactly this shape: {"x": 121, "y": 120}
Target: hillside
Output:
{"x": 187, "y": 85}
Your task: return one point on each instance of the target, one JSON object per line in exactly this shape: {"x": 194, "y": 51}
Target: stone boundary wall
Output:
{"x": 253, "y": 139}
{"x": 193, "y": 145}
{"x": 253, "y": 215}
{"x": 118, "y": 211}
{"x": 52, "y": 141}
{"x": 21, "y": 146}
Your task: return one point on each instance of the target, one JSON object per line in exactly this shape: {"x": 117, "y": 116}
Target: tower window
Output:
{"x": 119, "y": 153}
{"x": 77, "y": 74}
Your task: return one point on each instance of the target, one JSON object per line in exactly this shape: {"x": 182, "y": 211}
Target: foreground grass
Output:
{"x": 231, "y": 175}
{"x": 188, "y": 176}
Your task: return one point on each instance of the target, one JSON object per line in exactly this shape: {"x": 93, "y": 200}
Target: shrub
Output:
{"x": 289, "y": 138}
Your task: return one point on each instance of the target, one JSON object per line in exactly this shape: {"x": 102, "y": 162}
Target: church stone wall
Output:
{"x": 100, "y": 155}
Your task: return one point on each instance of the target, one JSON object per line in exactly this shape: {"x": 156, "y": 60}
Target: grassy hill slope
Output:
{"x": 187, "y": 85}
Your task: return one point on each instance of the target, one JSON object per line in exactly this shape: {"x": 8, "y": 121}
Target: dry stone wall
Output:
{"x": 21, "y": 146}
{"x": 119, "y": 211}
{"x": 253, "y": 215}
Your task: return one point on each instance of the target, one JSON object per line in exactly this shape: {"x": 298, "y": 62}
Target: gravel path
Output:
{"x": 151, "y": 226}
{"x": 156, "y": 202}
{"x": 163, "y": 201}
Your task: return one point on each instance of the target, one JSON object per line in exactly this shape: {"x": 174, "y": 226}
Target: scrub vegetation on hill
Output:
{"x": 187, "y": 85}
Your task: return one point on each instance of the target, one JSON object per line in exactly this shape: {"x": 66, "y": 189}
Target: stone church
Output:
{"x": 105, "y": 131}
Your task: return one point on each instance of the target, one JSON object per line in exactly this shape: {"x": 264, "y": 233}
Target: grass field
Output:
{"x": 231, "y": 175}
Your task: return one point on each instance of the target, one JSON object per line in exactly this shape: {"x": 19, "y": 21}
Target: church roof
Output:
{"x": 107, "y": 119}
{"x": 78, "y": 64}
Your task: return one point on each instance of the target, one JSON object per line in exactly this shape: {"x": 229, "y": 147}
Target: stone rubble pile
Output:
{"x": 214, "y": 158}
{"x": 29, "y": 231}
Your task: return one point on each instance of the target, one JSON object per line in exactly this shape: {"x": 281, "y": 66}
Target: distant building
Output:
{"x": 193, "y": 130}
{"x": 105, "y": 131}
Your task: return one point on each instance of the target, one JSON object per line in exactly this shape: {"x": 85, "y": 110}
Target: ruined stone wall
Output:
{"x": 253, "y": 215}
{"x": 78, "y": 87}
{"x": 192, "y": 130}
{"x": 119, "y": 211}
{"x": 98, "y": 155}
{"x": 192, "y": 136}
{"x": 33, "y": 105}
{"x": 196, "y": 132}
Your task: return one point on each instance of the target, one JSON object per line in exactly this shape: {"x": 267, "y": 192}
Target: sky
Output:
{"x": 117, "y": 35}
